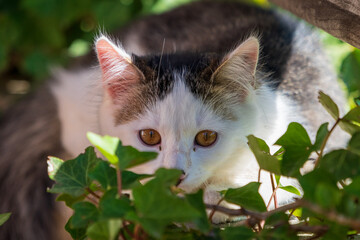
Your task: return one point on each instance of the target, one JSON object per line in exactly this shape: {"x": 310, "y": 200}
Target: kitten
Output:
{"x": 190, "y": 84}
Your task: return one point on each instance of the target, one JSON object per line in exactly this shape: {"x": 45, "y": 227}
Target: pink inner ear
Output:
{"x": 119, "y": 74}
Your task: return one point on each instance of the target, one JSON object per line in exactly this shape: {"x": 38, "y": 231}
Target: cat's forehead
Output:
{"x": 164, "y": 72}
{"x": 196, "y": 70}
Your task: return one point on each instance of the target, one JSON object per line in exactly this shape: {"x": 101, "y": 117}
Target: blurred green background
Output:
{"x": 37, "y": 34}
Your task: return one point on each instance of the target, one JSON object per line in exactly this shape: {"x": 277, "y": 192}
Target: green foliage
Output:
{"x": 4, "y": 217}
{"x": 327, "y": 204}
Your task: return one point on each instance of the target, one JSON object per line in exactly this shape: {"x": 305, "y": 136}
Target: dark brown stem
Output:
{"x": 211, "y": 215}
{"x": 92, "y": 193}
{"x": 119, "y": 184}
{"x": 128, "y": 230}
{"x": 325, "y": 141}
{"x": 137, "y": 232}
{"x": 91, "y": 199}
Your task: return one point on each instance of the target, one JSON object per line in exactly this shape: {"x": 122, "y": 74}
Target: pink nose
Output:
{"x": 182, "y": 177}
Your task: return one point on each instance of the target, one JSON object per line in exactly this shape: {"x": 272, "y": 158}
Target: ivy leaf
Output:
{"x": 130, "y": 157}
{"x": 241, "y": 232}
{"x": 104, "y": 230}
{"x": 329, "y": 105}
{"x": 262, "y": 154}
{"x": 76, "y": 233}
{"x": 354, "y": 143}
{"x": 298, "y": 147}
{"x": 341, "y": 164}
{"x": 104, "y": 174}
{"x": 291, "y": 189}
{"x": 158, "y": 206}
{"x": 350, "y": 70}
{"x": 4, "y": 217}
{"x": 196, "y": 200}
{"x": 72, "y": 176}
{"x": 106, "y": 145}
{"x": 310, "y": 181}
{"x": 247, "y": 197}
{"x": 54, "y": 164}
{"x": 327, "y": 195}
{"x": 84, "y": 213}
{"x": 131, "y": 179}
{"x": 111, "y": 206}
{"x": 320, "y": 135}
{"x": 69, "y": 200}
{"x": 350, "y": 122}
{"x": 354, "y": 187}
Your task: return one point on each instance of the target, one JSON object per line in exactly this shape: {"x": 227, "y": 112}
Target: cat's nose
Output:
{"x": 182, "y": 177}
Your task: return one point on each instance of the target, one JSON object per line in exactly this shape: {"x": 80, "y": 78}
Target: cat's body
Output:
{"x": 196, "y": 69}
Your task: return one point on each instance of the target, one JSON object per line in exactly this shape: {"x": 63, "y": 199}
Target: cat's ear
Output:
{"x": 120, "y": 76}
{"x": 240, "y": 63}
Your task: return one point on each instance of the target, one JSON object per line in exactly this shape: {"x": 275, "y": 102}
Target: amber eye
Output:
{"x": 150, "y": 137}
{"x": 205, "y": 138}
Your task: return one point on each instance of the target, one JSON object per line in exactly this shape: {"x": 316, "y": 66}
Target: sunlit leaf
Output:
{"x": 73, "y": 175}
{"x": 4, "y": 217}
{"x": 263, "y": 156}
{"x": 329, "y": 105}
{"x": 247, "y": 197}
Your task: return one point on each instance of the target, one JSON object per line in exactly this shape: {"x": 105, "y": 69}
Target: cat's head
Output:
{"x": 195, "y": 110}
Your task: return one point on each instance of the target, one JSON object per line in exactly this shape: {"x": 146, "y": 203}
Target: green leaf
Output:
{"x": 130, "y": 157}
{"x": 196, "y": 200}
{"x": 240, "y": 232}
{"x": 298, "y": 148}
{"x": 76, "y": 233}
{"x": 329, "y": 105}
{"x": 354, "y": 143}
{"x": 310, "y": 181}
{"x": 291, "y": 189}
{"x": 158, "y": 206}
{"x": 327, "y": 196}
{"x": 247, "y": 197}
{"x": 353, "y": 115}
{"x": 4, "y": 217}
{"x": 131, "y": 179}
{"x": 350, "y": 70}
{"x": 354, "y": 187}
{"x": 104, "y": 174}
{"x": 341, "y": 164}
{"x": 104, "y": 230}
{"x": 350, "y": 122}
{"x": 72, "y": 177}
{"x": 106, "y": 145}
{"x": 54, "y": 164}
{"x": 320, "y": 135}
{"x": 69, "y": 200}
{"x": 262, "y": 154}
{"x": 84, "y": 213}
{"x": 113, "y": 207}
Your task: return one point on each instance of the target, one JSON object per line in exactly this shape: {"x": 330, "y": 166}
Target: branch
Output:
{"x": 340, "y": 18}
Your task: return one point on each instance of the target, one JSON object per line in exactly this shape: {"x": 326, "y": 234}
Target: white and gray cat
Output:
{"x": 190, "y": 84}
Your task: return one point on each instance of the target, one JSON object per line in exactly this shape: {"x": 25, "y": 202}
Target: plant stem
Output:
{"x": 325, "y": 141}
{"x": 273, "y": 195}
{"x": 211, "y": 215}
{"x": 92, "y": 193}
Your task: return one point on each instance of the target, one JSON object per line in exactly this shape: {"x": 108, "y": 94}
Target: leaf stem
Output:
{"x": 273, "y": 195}
{"x": 92, "y": 193}
{"x": 325, "y": 141}
{"x": 211, "y": 215}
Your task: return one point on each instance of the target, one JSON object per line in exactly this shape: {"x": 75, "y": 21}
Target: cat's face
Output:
{"x": 194, "y": 110}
